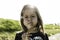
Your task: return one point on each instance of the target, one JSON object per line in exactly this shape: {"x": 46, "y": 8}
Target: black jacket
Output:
{"x": 34, "y": 36}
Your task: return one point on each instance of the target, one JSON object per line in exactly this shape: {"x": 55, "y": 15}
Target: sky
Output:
{"x": 49, "y": 9}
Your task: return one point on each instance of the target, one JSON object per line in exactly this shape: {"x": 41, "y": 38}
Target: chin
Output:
{"x": 29, "y": 27}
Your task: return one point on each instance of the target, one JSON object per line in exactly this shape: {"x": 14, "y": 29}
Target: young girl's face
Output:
{"x": 29, "y": 18}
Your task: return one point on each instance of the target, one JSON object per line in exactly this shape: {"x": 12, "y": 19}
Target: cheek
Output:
{"x": 35, "y": 21}
{"x": 24, "y": 22}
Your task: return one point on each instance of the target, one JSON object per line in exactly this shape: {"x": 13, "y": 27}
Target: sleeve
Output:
{"x": 18, "y": 36}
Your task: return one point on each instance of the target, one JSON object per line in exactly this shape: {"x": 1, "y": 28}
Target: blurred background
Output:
{"x": 10, "y": 17}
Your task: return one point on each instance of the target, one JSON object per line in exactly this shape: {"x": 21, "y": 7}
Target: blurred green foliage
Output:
{"x": 51, "y": 29}
{"x": 9, "y": 25}
{"x": 7, "y": 36}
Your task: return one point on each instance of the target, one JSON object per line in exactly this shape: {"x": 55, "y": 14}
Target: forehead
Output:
{"x": 29, "y": 12}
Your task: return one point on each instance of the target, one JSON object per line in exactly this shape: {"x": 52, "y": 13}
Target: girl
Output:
{"x": 32, "y": 25}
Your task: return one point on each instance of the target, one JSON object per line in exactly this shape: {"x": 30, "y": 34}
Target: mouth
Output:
{"x": 31, "y": 24}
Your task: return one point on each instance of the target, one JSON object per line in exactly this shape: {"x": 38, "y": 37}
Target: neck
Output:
{"x": 32, "y": 30}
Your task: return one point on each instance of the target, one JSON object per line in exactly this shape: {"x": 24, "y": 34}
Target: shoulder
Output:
{"x": 19, "y": 35}
{"x": 19, "y": 32}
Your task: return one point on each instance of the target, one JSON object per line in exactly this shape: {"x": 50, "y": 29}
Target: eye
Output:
{"x": 26, "y": 17}
{"x": 32, "y": 16}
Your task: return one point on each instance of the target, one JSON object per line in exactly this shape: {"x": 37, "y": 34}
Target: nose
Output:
{"x": 30, "y": 19}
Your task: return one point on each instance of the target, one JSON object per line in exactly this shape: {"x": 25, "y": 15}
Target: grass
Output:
{"x": 7, "y": 36}
{"x": 52, "y": 29}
